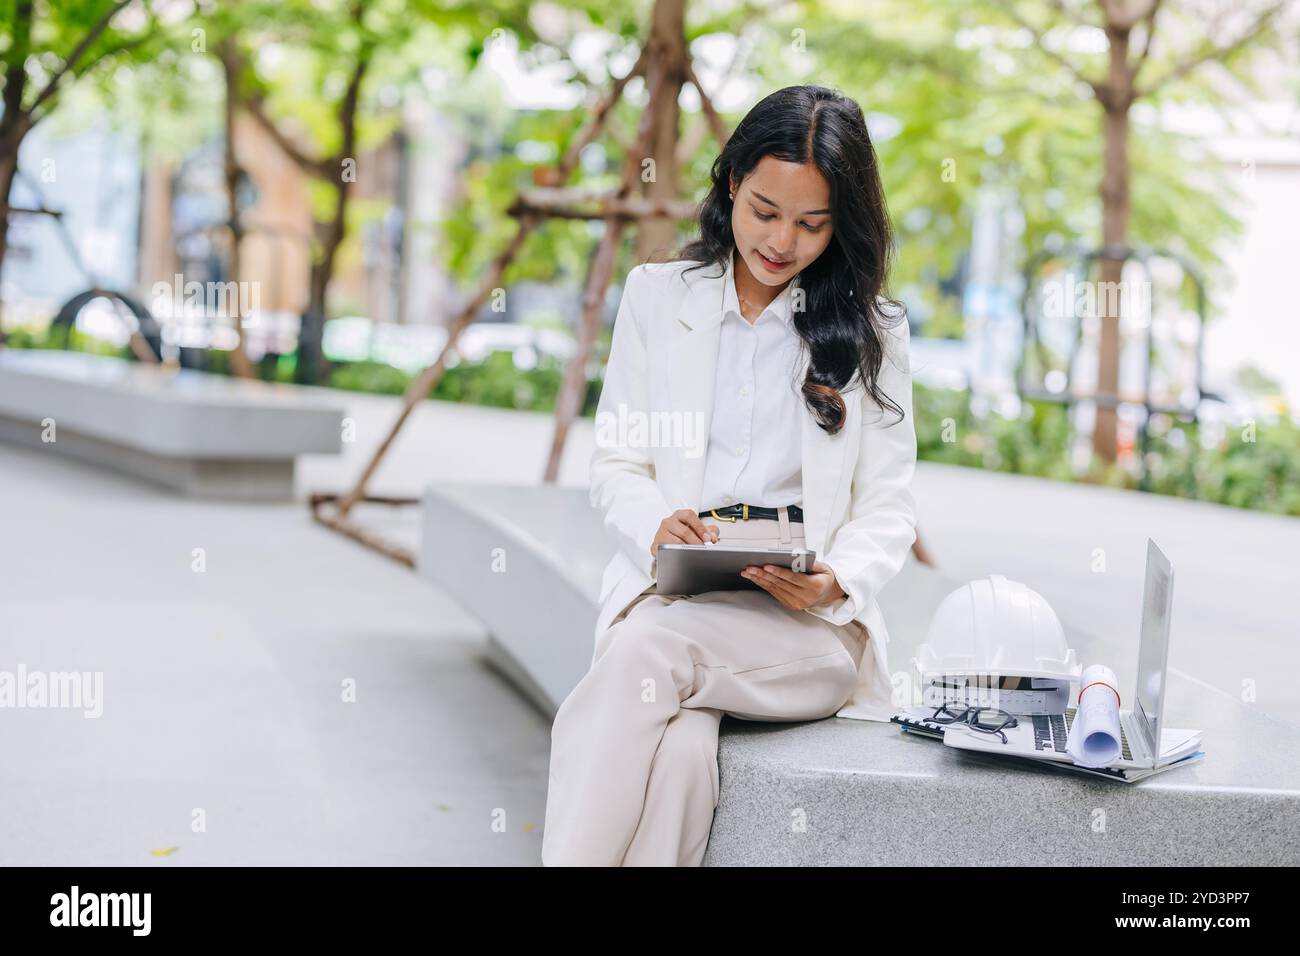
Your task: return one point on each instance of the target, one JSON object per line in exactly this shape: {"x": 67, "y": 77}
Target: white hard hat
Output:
{"x": 993, "y": 626}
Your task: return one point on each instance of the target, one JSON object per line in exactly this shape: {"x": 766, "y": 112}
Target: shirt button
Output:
{"x": 744, "y": 390}
{"x": 740, "y": 451}
{"x": 727, "y": 499}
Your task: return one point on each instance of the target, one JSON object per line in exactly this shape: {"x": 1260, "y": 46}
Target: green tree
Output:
{"x": 1117, "y": 79}
{"x": 322, "y": 104}
{"x": 45, "y": 48}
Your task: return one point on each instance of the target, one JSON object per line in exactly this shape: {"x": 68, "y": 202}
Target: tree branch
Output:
{"x": 597, "y": 121}
{"x": 716, "y": 123}
{"x": 70, "y": 64}
{"x": 1150, "y": 20}
{"x": 328, "y": 167}
{"x": 20, "y": 45}
{"x": 348, "y": 109}
{"x": 1212, "y": 52}
{"x": 1097, "y": 88}
{"x": 111, "y": 51}
{"x": 1121, "y": 17}
{"x": 309, "y": 164}
{"x": 1072, "y": 15}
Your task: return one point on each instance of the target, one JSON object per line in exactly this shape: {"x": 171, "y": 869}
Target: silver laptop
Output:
{"x": 1043, "y": 736}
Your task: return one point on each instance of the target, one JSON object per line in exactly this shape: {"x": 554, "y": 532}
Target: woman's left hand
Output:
{"x": 795, "y": 589}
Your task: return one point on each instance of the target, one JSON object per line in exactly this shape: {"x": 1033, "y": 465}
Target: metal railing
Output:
{"x": 1033, "y": 344}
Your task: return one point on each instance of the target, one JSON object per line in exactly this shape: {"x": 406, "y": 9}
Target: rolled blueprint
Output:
{"x": 1094, "y": 739}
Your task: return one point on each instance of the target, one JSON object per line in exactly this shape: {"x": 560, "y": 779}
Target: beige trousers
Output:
{"x": 634, "y": 747}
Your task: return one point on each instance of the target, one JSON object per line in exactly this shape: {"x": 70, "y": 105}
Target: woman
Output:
{"x": 783, "y": 385}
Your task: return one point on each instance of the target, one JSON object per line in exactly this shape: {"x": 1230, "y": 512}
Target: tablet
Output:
{"x": 694, "y": 568}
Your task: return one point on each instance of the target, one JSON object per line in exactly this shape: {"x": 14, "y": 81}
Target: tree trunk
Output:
{"x": 573, "y": 391}
{"x": 657, "y": 136}
{"x": 668, "y": 36}
{"x": 312, "y": 331}
{"x": 311, "y": 337}
{"x": 1115, "y": 212}
{"x": 230, "y": 64}
{"x": 8, "y": 170}
{"x": 14, "y": 123}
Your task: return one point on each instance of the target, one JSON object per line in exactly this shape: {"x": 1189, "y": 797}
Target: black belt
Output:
{"x": 745, "y": 512}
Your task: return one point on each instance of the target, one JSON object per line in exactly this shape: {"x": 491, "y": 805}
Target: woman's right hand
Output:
{"x": 683, "y": 527}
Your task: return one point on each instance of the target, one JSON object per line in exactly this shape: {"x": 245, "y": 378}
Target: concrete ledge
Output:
{"x": 201, "y": 434}
{"x": 848, "y": 792}
{"x": 870, "y": 795}
{"x": 553, "y": 548}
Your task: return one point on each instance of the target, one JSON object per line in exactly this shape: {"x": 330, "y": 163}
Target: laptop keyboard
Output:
{"x": 1051, "y": 731}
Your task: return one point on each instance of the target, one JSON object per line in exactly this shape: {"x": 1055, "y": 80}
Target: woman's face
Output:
{"x": 781, "y": 218}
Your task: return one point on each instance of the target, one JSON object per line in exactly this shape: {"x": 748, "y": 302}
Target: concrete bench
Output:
{"x": 201, "y": 434}
{"x": 849, "y": 792}
{"x": 554, "y": 548}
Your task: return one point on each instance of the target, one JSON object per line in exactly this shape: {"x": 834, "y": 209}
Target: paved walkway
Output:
{"x": 223, "y": 689}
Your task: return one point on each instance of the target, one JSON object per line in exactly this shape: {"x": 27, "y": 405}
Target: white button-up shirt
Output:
{"x": 754, "y": 450}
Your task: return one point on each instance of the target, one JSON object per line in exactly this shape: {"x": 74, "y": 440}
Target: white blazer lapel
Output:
{"x": 692, "y": 357}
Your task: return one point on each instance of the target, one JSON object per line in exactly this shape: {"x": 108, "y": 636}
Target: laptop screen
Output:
{"x": 1153, "y": 649}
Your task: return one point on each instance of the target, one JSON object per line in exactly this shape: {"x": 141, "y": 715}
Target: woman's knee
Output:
{"x": 851, "y": 677}
{"x": 654, "y": 658}
{"x": 693, "y": 730}
{"x": 689, "y": 746}
{"x": 644, "y": 636}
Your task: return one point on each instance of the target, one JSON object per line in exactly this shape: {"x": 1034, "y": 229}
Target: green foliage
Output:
{"x": 496, "y": 381}
{"x": 950, "y": 86}
{"x": 69, "y": 339}
{"x": 1257, "y": 468}
{"x": 37, "y": 41}
{"x": 279, "y": 368}
{"x": 1253, "y": 466}
{"x": 959, "y": 97}
{"x": 378, "y": 378}
{"x": 218, "y": 361}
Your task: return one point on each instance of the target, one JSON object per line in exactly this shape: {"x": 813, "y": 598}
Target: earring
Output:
{"x": 732, "y": 195}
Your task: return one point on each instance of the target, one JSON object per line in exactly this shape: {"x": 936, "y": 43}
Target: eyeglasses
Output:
{"x": 985, "y": 720}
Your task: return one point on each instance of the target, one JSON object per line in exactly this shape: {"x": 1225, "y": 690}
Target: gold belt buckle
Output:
{"x": 744, "y": 514}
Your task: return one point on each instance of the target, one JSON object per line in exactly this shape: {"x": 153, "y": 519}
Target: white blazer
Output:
{"x": 859, "y": 512}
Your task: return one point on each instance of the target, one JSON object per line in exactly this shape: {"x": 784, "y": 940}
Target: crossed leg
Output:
{"x": 682, "y": 793}
{"x": 613, "y": 797}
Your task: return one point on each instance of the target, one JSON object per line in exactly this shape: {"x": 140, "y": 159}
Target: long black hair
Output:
{"x": 844, "y": 315}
